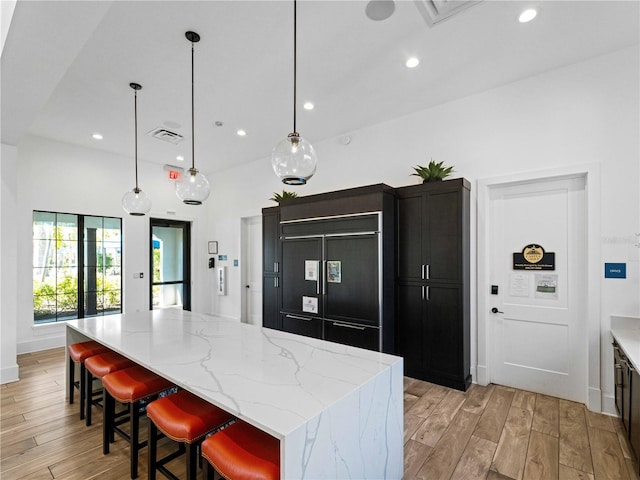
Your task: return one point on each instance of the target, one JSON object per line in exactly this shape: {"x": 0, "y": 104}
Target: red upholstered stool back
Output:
{"x": 78, "y": 353}
{"x": 130, "y": 385}
{"x": 242, "y": 452}
{"x": 98, "y": 366}
{"x": 187, "y": 419}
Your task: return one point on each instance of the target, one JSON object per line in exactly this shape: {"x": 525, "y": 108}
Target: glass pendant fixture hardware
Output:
{"x": 294, "y": 159}
{"x": 136, "y": 202}
{"x": 192, "y": 187}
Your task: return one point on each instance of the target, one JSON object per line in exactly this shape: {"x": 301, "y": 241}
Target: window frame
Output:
{"x": 82, "y": 288}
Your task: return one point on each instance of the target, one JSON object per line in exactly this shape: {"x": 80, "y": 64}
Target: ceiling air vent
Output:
{"x": 434, "y": 11}
{"x": 167, "y": 135}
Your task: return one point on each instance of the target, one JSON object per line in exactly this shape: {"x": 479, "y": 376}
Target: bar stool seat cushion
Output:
{"x": 242, "y": 452}
{"x": 107, "y": 362}
{"x": 79, "y": 352}
{"x": 186, "y": 418}
{"x": 134, "y": 383}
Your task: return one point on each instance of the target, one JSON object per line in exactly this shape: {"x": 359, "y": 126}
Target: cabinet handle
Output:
{"x": 422, "y": 274}
{"x": 296, "y": 317}
{"x": 276, "y": 284}
{"x": 276, "y": 266}
{"x": 425, "y": 292}
{"x": 427, "y": 270}
{"x": 346, "y": 325}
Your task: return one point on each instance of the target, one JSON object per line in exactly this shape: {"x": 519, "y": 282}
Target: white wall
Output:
{"x": 580, "y": 114}
{"x": 60, "y": 177}
{"x": 8, "y": 264}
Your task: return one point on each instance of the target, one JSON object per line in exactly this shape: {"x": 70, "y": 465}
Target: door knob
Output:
{"x": 495, "y": 310}
{"x": 246, "y": 286}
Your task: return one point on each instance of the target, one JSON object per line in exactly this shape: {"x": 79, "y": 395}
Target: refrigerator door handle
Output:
{"x": 346, "y": 325}
{"x": 324, "y": 277}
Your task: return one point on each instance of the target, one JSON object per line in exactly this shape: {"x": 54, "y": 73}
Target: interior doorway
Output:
{"x": 170, "y": 262}
{"x": 251, "y": 233}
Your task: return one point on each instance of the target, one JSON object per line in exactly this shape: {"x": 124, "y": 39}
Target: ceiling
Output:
{"x": 66, "y": 67}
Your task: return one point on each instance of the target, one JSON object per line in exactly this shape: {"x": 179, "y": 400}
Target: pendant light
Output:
{"x": 294, "y": 159}
{"x": 192, "y": 187}
{"x": 136, "y": 202}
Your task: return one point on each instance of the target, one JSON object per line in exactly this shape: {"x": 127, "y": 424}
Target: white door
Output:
{"x": 539, "y": 332}
{"x": 253, "y": 270}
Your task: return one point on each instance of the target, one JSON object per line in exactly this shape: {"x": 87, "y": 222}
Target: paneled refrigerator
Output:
{"x": 332, "y": 279}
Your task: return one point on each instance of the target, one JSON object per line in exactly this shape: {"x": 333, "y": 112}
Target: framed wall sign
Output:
{"x": 534, "y": 257}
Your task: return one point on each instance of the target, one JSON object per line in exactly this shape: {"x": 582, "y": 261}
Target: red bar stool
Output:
{"x": 242, "y": 452}
{"x": 98, "y": 366}
{"x": 134, "y": 386}
{"x": 184, "y": 418}
{"x": 78, "y": 353}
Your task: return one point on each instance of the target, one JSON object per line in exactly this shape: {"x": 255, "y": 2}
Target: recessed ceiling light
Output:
{"x": 528, "y": 15}
{"x": 96, "y": 136}
{"x": 241, "y": 133}
{"x": 180, "y": 158}
{"x": 412, "y": 62}
{"x": 308, "y": 106}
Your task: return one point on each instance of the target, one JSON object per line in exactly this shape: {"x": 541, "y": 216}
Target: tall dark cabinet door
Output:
{"x": 411, "y": 232}
{"x": 271, "y": 268}
{"x": 298, "y": 280}
{"x": 443, "y": 344}
{"x": 443, "y": 229}
{"x": 410, "y": 332}
{"x": 351, "y": 279}
{"x": 271, "y": 302}
{"x": 270, "y": 243}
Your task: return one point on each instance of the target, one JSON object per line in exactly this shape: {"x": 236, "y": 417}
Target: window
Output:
{"x": 77, "y": 268}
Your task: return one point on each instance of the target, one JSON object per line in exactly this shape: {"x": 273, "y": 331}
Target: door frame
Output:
{"x": 186, "y": 266}
{"x": 591, "y": 175}
{"x": 244, "y": 262}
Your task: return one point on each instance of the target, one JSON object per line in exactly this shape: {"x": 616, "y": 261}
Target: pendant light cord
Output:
{"x": 295, "y": 57}
{"x": 135, "y": 122}
{"x": 193, "y": 132}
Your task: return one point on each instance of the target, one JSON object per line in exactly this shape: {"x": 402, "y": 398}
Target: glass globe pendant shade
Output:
{"x": 136, "y": 202}
{"x": 294, "y": 160}
{"x": 193, "y": 187}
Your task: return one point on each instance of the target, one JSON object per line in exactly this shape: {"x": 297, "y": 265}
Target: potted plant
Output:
{"x": 277, "y": 197}
{"x": 433, "y": 172}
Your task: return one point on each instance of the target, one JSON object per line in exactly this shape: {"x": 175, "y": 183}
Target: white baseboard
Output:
{"x": 41, "y": 344}
{"x": 482, "y": 377}
{"x": 609, "y": 405}
{"x": 9, "y": 374}
{"x": 594, "y": 402}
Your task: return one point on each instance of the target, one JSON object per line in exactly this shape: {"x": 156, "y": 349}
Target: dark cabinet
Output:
{"x": 271, "y": 280}
{"x": 634, "y": 414}
{"x": 432, "y": 321}
{"x": 627, "y": 396}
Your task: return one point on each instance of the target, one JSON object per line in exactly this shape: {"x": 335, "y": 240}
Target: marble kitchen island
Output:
{"x": 337, "y": 410}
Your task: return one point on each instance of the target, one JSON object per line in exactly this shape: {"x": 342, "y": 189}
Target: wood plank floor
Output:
{"x": 488, "y": 433}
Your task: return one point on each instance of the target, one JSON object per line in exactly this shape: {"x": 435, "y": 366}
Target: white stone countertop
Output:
{"x": 626, "y": 330}
{"x": 274, "y": 380}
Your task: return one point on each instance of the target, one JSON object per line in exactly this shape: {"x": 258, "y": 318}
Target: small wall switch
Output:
{"x": 141, "y": 275}
{"x": 136, "y": 275}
